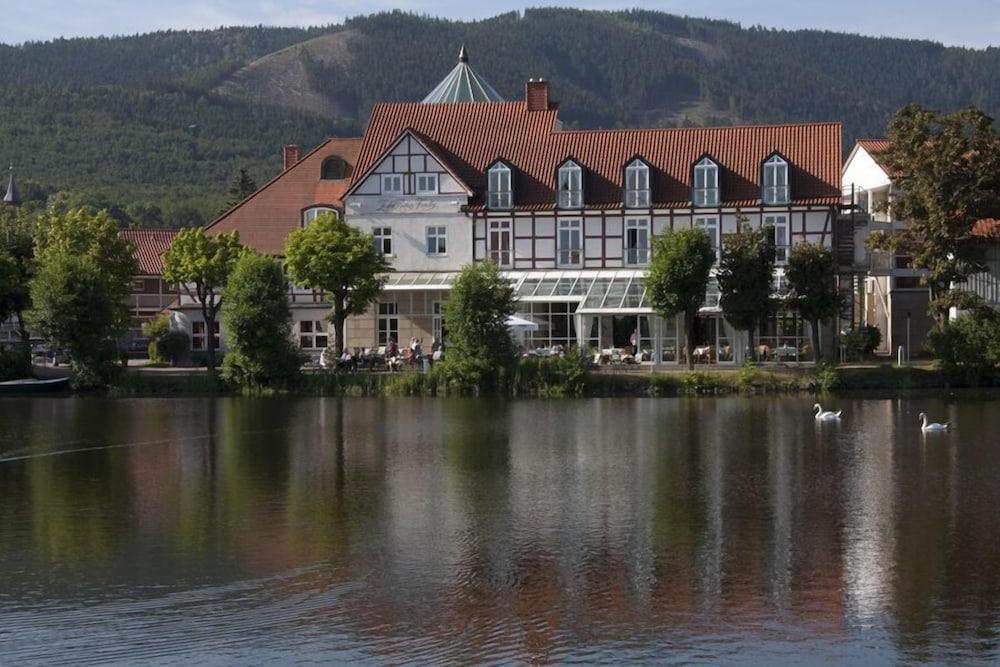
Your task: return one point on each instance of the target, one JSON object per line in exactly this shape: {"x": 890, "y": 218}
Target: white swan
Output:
{"x": 933, "y": 426}
{"x": 825, "y": 415}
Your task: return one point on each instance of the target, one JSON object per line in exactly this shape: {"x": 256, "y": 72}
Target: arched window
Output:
{"x": 570, "y": 184}
{"x": 775, "y": 188}
{"x": 500, "y": 195}
{"x": 311, "y": 214}
{"x": 637, "y": 192}
{"x": 334, "y": 169}
{"x": 706, "y": 183}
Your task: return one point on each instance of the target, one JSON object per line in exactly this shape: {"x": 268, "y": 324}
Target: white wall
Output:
{"x": 863, "y": 172}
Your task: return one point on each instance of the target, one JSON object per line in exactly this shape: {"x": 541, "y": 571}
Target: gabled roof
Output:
{"x": 266, "y": 218}
{"x": 462, "y": 85}
{"x": 875, "y": 147}
{"x": 472, "y": 135}
{"x": 150, "y": 244}
{"x": 987, "y": 228}
{"x": 433, "y": 149}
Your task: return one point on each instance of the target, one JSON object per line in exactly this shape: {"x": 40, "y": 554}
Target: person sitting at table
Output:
{"x": 391, "y": 349}
{"x": 347, "y": 360}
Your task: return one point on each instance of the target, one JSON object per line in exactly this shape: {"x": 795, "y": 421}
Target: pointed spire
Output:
{"x": 11, "y": 198}
{"x": 463, "y": 85}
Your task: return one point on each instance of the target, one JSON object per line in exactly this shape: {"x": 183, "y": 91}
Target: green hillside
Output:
{"x": 158, "y": 123}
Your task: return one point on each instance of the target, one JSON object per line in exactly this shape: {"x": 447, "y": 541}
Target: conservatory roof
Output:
{"x": 607, "y": 292}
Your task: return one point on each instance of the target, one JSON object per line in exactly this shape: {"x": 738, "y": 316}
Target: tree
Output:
{"x": 201, "y": 264}
{"x": 746, "y": 279}
{"x": 480, "y": 347}
{"x": 17, "y": 248}
{"x": 678, "y": 277}
{"x": 241, "y": 187}
{"x": 257, "y": 322}
{"x": 812, "y": 286}
{"x": 83, "y": 275}
{"x": 946, "y": 176}
{"x": 340, "y": 260}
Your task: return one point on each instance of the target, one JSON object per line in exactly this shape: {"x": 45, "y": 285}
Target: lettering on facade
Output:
{"x": 401, "y": 205}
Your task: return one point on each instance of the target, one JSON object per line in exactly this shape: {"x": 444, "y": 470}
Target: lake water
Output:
{"x": 239, "y": 531}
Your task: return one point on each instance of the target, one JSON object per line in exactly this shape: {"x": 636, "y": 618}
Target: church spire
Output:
{"x": 11, "y": 198}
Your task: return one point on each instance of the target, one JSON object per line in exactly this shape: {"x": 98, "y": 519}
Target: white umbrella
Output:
{"x": 516, "y": 323}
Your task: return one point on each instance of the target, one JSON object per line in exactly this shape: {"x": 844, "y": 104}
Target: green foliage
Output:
{"x": 969, "y": 344}
{"x": 201, "y": 263}
{"x": 341, "y": 260}
{"x": 812, "y": 286}
{"x": 13, "y": 364}
{"x": 747, "y": 375}
{"x": 257, "y": 324}
{"x": 861, "y": 342}
{"x": 241, "y": 187}
{"x": 746, "y": 279}
{"x": 77, "y": 112}
{"x": 84, "y": 272}
{"x": 551, "y": 377}
{"x": 480, "y": 350}
{"x": 678, "y": 277}
{"x": 827, "y": 378}
{"x": 947, "y": 169}
{"x": 166, "y": 345}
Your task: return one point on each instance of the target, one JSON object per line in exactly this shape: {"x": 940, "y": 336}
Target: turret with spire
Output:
{"x": 463, "y": 85}
{"x": 11, "y": 198}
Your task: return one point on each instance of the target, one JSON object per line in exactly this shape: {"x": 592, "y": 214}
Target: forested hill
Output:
{"x": 158, "y": 123}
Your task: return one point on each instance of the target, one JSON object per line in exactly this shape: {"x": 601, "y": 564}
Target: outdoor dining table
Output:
{"x": 703, "y": 351}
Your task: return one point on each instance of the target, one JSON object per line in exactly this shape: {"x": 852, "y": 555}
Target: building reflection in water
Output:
{"x": 531, "y": 530}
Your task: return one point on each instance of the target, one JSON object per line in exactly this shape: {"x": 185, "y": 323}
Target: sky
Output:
{"x": 972, "y": 23}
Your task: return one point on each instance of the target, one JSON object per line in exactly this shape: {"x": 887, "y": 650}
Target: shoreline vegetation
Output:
{"x": 552, "y": 378}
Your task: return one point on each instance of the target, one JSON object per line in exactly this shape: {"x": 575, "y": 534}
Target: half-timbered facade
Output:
{"x": 570, "y": 216}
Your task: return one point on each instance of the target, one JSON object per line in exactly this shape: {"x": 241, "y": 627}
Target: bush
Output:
{"x": 861, "y": 342}
{"x": 257, "y": 323}
{"x": 551, "y": 377}
{"x": 969, "y": 344}
{"x": 827, "y": 378}
{"x": 14, "y": 365}
{"x": 166, "y": 345}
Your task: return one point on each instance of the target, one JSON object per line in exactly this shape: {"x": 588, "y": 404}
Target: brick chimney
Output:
{"x": 536, "y": 94}
{"x": 291, "y": 155}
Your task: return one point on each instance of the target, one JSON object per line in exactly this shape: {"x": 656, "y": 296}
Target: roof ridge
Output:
{"x": 707, "y": 128}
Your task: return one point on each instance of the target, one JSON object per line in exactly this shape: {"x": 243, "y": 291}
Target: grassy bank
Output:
{"x": 554, "y": 380}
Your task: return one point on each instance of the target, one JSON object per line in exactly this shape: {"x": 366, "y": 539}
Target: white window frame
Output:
{"x": 639, "y": 255}
{"x": 426, "y": 184}
{"x": 437, "y": 240}
{"x": 710, "y": 223}
{"x": 500, "y": 193}
{"x": 382, "y": 237}
{"x": 569, "y": 243}
{"x": 387, "y": 323}
{"x": 388, "y": 183}
{"x": 437, "y": 320}
{"x": 570, "y": 185}
{"x": 495, "y": 231}
{"x": 705, "y": 187}
{"x": 779, "y": 221}
{"x": 202, "y": 337}
{"x": 775, "y": 189}
{"x": 311, "y": 214}
{"x": 313, "y": 335}
{"x": 637, "y": 190}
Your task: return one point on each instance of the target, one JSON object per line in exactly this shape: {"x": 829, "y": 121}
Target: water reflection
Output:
{"x": 460, "y": 530}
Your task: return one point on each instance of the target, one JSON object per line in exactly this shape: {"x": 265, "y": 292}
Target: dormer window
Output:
{"x": 775, "y": 189}
{"x": 706, "y": 183}
{"x": 570, "y": 182}
{"x": 500, "y": 194}
{"x": 637, "y": 192}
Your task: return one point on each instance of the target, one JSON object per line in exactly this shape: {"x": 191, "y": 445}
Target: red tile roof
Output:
{"x": 472, "y": 135}
{"x": 987, "y": 228}
{"x": 269, "y": 215}
{"x": 149, "y": 244}
{"x": 874, "y": 147}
